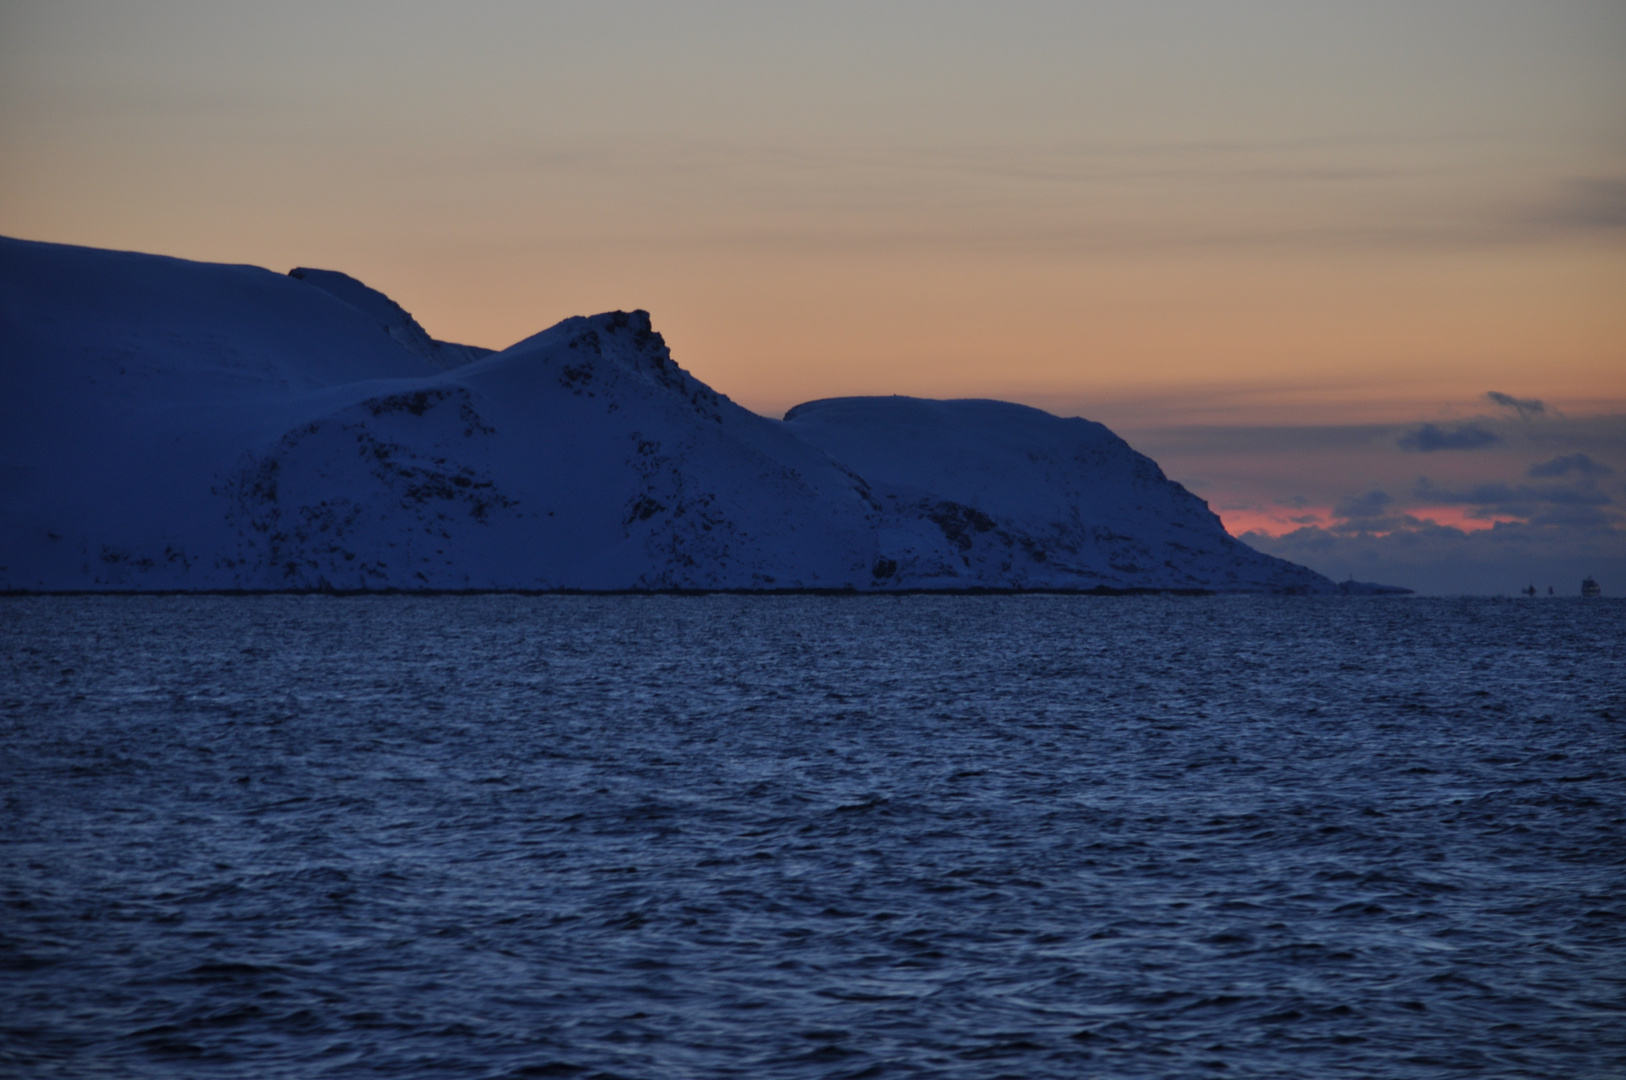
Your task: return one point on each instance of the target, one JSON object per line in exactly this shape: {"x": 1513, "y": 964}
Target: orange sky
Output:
{"x": 1270, "y": 213}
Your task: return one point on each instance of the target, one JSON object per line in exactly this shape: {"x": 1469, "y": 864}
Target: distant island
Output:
{"x": 168, "y": 425}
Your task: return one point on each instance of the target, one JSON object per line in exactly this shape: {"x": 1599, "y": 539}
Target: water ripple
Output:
{"x": 812, "y": 837}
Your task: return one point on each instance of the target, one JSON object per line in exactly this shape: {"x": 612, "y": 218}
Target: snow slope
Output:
{"x": 392, "y": 318}
{"x": 988, "y": 491}
{"x": 175, "y": 425}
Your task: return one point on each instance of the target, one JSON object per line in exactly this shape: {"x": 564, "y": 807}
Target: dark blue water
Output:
{"x": 812, "y": 837}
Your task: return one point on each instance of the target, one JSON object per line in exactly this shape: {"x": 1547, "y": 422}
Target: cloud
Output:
{"x": 1576, "y": 463}
{"x": 1579, "y": 504}
{"x": 1441, "y": 559}
{"x": 1594, "y": 204}
{"x": 1372, "y": 504}
{"x": 1501, "y": 497}
{"x": 1430, "y": 438}
{"x": 1536, "y": 508}
{"x": 1373, "y": 512}
{"x": 1525, "y": 407}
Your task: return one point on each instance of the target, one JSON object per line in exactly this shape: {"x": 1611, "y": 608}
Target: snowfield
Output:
{"x": 172, "y": 425}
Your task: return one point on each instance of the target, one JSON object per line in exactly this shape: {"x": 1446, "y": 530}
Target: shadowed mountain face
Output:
{"x": 392, "y": 318}
{"x": 176, "y": 425}
{"x": 1009, "y": 494}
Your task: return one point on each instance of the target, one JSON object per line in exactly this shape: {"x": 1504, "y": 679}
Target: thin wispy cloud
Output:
{"x": 1042, "y": 197}
{"x": 1525, "y": 407}
{"x": 1521, "y": 500}
{"x": 1590, "y": 205}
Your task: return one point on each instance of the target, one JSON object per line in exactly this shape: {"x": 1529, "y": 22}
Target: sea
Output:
{"x": 804, "y": 836}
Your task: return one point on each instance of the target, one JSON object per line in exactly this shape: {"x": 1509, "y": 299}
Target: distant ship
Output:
{"x": 1590, "y": 588}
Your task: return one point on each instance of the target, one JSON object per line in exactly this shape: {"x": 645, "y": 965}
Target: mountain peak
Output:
{"x": 175, "y": 425}
{"x": 395, "y": 320}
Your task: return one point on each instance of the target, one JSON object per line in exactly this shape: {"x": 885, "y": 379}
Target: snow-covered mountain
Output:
{"x": 171, "y": 425}
{"x": 391, "y": 317}
{"x": 1004, "y": 493}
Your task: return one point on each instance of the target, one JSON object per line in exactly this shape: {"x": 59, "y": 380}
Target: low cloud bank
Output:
{"x": 1555, "y": 504}
{"x": 1438, "y": 559}
{"x": 1547, "y": 534}
{"x": 1531, "y": 497}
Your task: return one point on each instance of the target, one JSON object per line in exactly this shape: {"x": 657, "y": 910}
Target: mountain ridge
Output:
{"x": 177, "y": 426}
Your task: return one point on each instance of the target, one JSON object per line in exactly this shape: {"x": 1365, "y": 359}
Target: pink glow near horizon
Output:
{"x": 1280, "y": 522}
{"x": 1179, "y": 219}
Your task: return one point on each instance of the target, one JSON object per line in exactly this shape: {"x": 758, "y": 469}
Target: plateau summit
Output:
{"x": 174, "y": 425}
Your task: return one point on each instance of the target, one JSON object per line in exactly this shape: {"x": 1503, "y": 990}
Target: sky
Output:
{"x": 1287, "y": 249}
